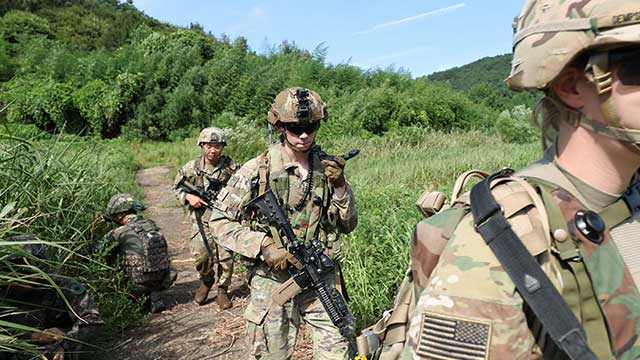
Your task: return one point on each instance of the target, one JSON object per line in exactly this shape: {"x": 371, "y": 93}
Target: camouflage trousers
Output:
{"x": 140, "y": 289}
{"x": 272, "y": 329}
{"x": 218, "y": 270}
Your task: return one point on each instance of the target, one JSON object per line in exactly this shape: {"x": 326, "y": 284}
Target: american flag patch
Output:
{"x": 450, "y": 338}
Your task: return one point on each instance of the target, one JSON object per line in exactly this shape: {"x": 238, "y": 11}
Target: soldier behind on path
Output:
{"x": 63, "y": 331}
{"x": 319, "y": 203}
{"x": 139, "y": 248}
{"x": 209, "y": 172}
{"x": 545, "y": 263}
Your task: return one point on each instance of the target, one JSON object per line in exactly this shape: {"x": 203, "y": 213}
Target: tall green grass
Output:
{"x": 56, "y": 190}
{"x": 388, "y": 177}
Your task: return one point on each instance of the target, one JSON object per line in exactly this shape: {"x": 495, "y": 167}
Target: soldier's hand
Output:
{"x": 275, "y": 257}
{"x": 334, "y": 171}
{"x": 48, "y": 336}
{"x": 58, "y": 354}
{"x": 194, "y": 201}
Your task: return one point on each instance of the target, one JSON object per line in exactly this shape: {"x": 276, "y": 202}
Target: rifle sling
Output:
{"x": 531, "y": 282}
{"x": 198, "y": 213}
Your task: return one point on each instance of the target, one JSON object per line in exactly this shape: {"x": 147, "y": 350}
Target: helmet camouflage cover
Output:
{"x": 550, "y": 34}
{"x": 297, "y": 104}
{"x": 123, "y": 202}
{"x": 212, "y": 134}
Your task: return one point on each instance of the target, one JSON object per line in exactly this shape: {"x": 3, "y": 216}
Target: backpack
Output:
{"x": 152, "y": 263}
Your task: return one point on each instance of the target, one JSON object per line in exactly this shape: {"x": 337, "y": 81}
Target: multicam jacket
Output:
{"x": 141, "y": 249}
{"x": 43, "y": 308}
{"x": 205, "y": 176}
{"x": 323, "y": 216}
{"x": 466, "y": 305}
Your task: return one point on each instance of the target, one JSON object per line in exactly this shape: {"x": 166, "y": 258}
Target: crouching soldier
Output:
{"x": 57, "y": 316}
{"x": 139, "y": 247}
{"x": 209, "y": 173}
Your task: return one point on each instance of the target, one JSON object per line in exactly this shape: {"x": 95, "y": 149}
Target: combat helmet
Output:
{"x": 297, "y": 105}
{"x": 550, "y": 35}
{"x": 212, "y": 134}
{"x": 122, "y": 203}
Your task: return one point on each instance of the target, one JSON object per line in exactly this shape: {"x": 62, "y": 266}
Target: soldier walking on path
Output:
{"x": 209, "y": 173}
{"x": 319, "y": 204}
{"x": 545, "y": 262}
{"x": 139, "y": 247}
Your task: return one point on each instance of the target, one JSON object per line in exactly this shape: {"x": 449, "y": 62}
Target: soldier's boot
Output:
{"x": 202, "y": 292}
{"x": 156, "y": 304}
{"x": 222, "y": 299}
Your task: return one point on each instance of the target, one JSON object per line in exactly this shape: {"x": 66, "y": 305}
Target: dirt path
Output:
{"x": 186, "y": 330}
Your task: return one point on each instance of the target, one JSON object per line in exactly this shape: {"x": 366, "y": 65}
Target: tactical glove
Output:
{"x": 48, "y": 336}
{"x": 275, "y": 257}
{"x": 334, "y": 171}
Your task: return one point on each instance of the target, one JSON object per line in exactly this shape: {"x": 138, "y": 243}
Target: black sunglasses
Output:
{"x": 298, "y": 129}
{"x": 628, "y": 63}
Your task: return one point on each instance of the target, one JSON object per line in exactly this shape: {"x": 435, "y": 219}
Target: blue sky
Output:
{"x": 421, "y": 36}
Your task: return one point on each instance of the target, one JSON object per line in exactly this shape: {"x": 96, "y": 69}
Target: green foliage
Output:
{"x": 516, "y": 125}
{"x": 483, "y": 81}
{"x": 16, "y": 24}
{"x": 161, "y": 82}
{"x": 56, "y": 189}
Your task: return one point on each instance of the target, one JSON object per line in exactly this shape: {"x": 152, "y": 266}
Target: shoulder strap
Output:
{"x": 532, "y": 283}
{"x": 263, "y": 173}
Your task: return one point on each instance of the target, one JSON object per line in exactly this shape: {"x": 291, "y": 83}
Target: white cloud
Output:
{"x": 438, "y": 12}
{"x": 400, "y": 54}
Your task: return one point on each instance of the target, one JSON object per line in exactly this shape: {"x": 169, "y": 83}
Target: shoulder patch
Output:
{"x": 447, "y": 337}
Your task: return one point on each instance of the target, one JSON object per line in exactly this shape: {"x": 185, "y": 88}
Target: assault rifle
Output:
{"x": 209, "y": 196}
{"x": 189, "y": 188}
{"x": 315, "y": 266}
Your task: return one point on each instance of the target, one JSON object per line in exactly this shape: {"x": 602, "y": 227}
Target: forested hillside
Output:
{"x": 102, "y": 68}
{"x": 483, "y": 81}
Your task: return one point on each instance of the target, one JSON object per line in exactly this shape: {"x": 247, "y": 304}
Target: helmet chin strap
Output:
{"x": 598, "y": 72}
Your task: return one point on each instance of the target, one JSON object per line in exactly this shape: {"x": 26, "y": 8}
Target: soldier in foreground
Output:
{"x": 319, "y": 204}
{"x": 544, "y": 263}
{"x": 209, "y": 173}
{"x": 63, "y": 331}
{"x": 139, "y": 248}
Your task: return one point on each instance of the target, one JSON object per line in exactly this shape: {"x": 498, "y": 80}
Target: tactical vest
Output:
{"x": 313, "y": 220}
{"x": 215, "y": 184}
{"x": 151, "y": 264}
{"x": 597, "y": 284}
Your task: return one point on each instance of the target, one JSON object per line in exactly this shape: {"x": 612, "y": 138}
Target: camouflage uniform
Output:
{"x": 39, "y": 305}
{"x": 43, "y": 308}
{"x": 205, "y": 176}
{"x": 148, "y": 267}
{"x": 272, "y": 329}
{"x": 465, "y": 304}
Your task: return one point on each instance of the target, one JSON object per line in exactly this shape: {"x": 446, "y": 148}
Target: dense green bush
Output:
{"x": 165, "y": 80}
{"x": 516, "y": 125}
